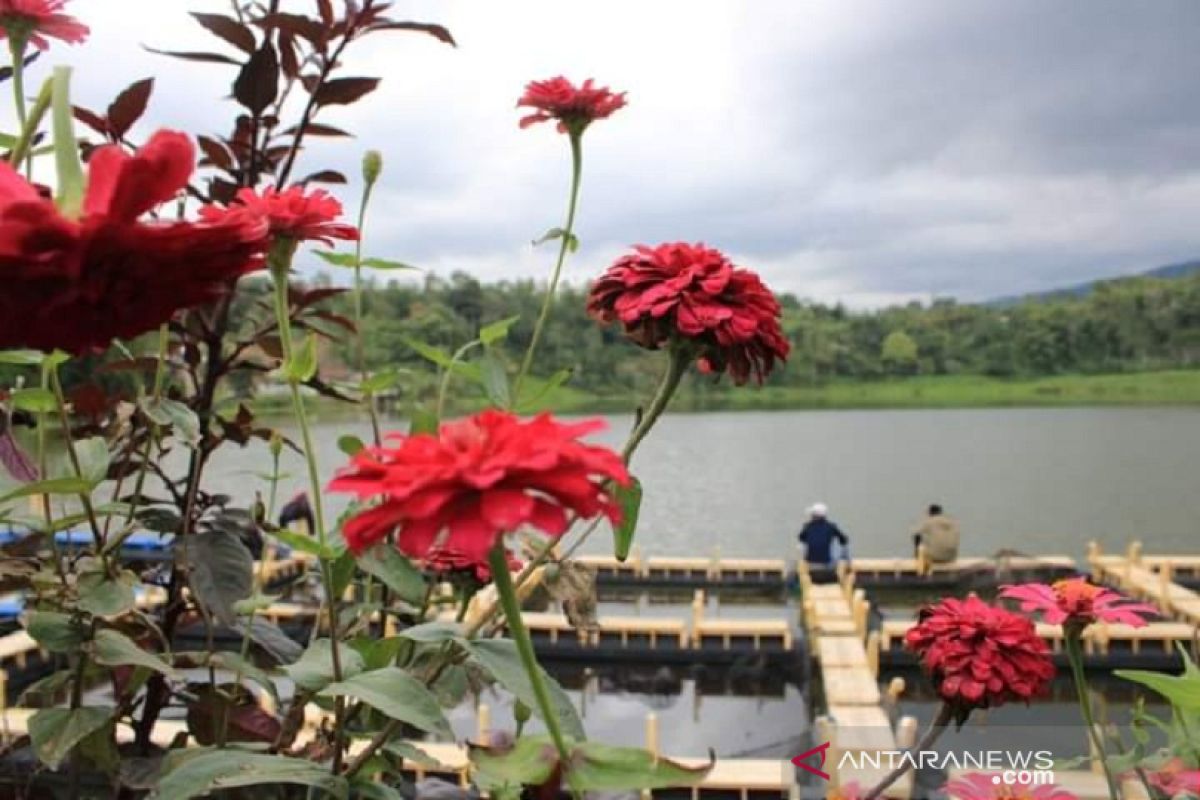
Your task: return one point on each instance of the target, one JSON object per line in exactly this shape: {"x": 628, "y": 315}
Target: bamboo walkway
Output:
{"x": 1149, "y": 578}
{"x": 835, "y": 619}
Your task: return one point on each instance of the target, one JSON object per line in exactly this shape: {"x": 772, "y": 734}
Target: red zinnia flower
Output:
{"x": 978, "y": 786}
{"x": 33, "y": 20}
{"x": 77, "y": 284}
{"x": 478, "y": 479}
{"x": 290, "y": 213}
{"x": 979, "y": 655}
{"x": 574, "y": 107}
{"x": 1076, "y": 603}
{"x": 694, "y": 293}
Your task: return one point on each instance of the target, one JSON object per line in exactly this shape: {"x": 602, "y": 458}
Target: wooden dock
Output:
{"x": 1149, "y": 578}
{"x": 685, "y": 572}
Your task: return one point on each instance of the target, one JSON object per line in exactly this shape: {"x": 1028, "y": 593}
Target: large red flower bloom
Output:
{"x": 575, "y": 107}
{"x": 292, "y": 213}
{"x": 1076, "y": 603}
{"x": 478, "y": 479}
{"x": 33, "y": 20}
{"x": 694, "y": 293}
{"x": 979, "y": 655}
{"x": 77, "y": 284}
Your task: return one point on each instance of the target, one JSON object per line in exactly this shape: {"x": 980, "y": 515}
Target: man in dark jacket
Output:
{"x": 818, "y": 535}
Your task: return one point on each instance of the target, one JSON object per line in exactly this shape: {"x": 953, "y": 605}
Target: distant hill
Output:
{"x": 1180, "y": 270}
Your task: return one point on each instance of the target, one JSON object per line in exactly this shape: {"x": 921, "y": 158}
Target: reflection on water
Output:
{"x": 695, "y": 711}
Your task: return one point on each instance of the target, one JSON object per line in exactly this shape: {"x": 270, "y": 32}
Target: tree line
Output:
{"x": 1132, "y": 324}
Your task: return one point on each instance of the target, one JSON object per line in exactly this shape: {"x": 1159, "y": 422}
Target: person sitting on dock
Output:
{"x": 818, "y": 536}
{"x": 939, "y": 533}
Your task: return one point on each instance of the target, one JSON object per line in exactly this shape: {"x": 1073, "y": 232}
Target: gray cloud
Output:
{"x": 863, "y": 151}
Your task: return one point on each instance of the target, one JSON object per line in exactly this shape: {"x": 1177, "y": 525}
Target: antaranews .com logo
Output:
{"x": 1009, "y": 767}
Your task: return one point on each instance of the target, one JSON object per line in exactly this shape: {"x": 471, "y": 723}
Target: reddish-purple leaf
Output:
{"x": 336, "y": 319}
{"x": 324, "y": 176}
{"x": 216, "y": 153}
{"x": 192, "y": 55}
{"x": 90, "y": 118}
{"x": 288, "y": 59}
{"x": 257, "y": 85}
{"x": 343, "y": 91}
{"x": 325, "y": 9}
{"x": 436, "y": 31}
{"x": 129, "y": 106}
{"x": 228, "y": 29}
{"x": 222, "y": 191}
{"x": 297, "y": 25}
{"x": 317, "y": 129}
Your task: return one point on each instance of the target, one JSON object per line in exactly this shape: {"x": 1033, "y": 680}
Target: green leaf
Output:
{"x": 366, "y": 789}
{"x": 314, "y": 670}
{"x": 540, "y": 389}
{"x": 304, "y": 543}
{"x": 350, "y": 445}
{"x": 382, "y": 380}
{"x": 35, "y": 400}
{"x": 114, "y": 649}
{"x": 497, "y": 331}
{"x": 55, "y": 631}
{"x": 558, "y": 233}
{"x": 500, "y": 658}
{"x": 414, "y": 755}
{"x": 271, "y": 638}
{"x": 236, "y": 664}
{"x": 495, "y": 380}
{"x": 56, "y": 731}
{"x": 433, "y": 632}
{"x": 254, "y": 603}
{"x": 193, "y": 773}
{"x": 1182, "y": 691}
{"x": 342, "y": 572}
{"x": 303, "y": 364}
{"x": 66, "y": 148}
{"x": 69, "y": 485}
{"x": 397, "y": 694}
{"x": 182, "y": 420}
{"x": 430, "y": 353}
{"x": 104, "y": 596}
{"x": 336, "y": 259}
{"x": 22, "y": 358}
{"x": 630, "y": 499}
{"x": 529, "y": 762}
{"x": 602, "y": 767}
{"x": 387, "y": 264}
{"x": 423, "y": 421}
{"x": 94, "y": 459}
{"x": 221, "y": 572}
{"x": 397, "y": 572}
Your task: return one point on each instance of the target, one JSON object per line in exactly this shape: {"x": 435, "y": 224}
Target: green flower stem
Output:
{"x": 359, "y": 343}
{"x": 160, "y": 373}
{"x": 935, "y": 729}
{"x": 677, "y": 363}
{"x": 280, "y": 262}
{"x": 498, "y": 559}
{"x": 678, "y": 360}
{"x": 84, "y": 497}
{"x": 1073, "y": 641}
{"x": 41, "y": 105}
{"x": 567, "y": 237}
{"x": 16, "y": 47}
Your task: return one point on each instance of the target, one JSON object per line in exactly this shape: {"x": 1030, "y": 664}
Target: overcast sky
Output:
{"x": 864, "y": 152}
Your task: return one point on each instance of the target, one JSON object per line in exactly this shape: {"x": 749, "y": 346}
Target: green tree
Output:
{"x": 899, "y": 353}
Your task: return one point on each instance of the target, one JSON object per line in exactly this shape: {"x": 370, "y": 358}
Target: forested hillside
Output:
{"x": 1128, "y": 325}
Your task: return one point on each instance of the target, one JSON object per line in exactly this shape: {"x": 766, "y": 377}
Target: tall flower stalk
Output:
{"x": 1075, "y": 604}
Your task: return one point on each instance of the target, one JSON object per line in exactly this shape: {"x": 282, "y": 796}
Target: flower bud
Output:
{"x": 521, "y": 712}
{"x": 275, "y": 444}
{"x": 372, "y": 165}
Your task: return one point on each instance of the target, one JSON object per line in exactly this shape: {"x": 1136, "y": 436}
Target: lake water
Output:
{"x": 1033, "y": 480}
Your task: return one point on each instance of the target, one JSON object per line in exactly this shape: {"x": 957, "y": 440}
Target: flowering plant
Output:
{"x": 145, "y": 292}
